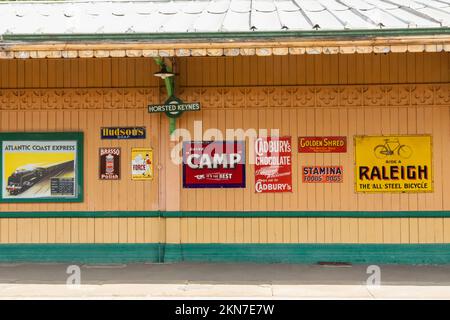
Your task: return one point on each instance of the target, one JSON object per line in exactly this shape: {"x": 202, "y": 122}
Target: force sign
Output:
{"x": 217, "y": 164}
{"x": 141, "y": 164}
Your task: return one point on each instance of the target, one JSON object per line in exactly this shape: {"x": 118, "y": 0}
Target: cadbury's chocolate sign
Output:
{"x": 214, "y": 164}
{"x": 322, "y": 144}
{"x": 273, "y": 164}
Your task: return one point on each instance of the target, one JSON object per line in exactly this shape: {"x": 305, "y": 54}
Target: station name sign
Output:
{"x": 195, "y": 106}
{"x": 173, "y": 107}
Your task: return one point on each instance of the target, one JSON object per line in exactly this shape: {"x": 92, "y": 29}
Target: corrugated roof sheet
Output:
{"x": 181, "y": 16}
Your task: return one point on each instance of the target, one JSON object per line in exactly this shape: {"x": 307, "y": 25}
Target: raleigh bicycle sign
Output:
{"x": 393, "y": 164}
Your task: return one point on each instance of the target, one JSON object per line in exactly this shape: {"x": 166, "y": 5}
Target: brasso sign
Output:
{"x": 273, "y": 164}
{"x": 214, "y": 164}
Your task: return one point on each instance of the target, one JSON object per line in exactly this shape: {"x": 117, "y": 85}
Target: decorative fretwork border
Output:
{"x": 68, "y": 98}
{"x": 230, "y": 97}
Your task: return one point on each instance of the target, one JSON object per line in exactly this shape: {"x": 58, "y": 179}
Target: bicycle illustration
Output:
{"x": 391, "y": 147}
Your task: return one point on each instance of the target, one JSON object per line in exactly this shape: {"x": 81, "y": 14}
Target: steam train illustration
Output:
{"x": 26, "y": 176}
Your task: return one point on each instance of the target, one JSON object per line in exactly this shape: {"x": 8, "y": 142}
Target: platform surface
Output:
{"x": 222, "y": 281}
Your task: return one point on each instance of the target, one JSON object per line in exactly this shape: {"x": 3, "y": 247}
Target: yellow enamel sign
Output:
{"x": 141, "y": 164}
{"x": 393, "y": 164}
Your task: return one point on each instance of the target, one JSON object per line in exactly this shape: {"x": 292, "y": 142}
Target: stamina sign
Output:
{"x": 322, "y": 174}
{"x": 174, "y": 107}
{"x": 273, "y": 164}
{"x": 214, "y": 164}
{"x": 393, "y": 164}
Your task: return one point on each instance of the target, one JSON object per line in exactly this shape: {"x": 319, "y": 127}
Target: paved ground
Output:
{"x": 261, "y": 281}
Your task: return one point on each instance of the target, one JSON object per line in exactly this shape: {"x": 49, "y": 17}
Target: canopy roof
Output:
{"x": 181, "y": 16}
{"x": 222, "y": 21}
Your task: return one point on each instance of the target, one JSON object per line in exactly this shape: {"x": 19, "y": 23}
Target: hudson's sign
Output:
{"x": 322, "y": 144}
{"x": 216, "y": 164}
{"x": 122, "y": 133}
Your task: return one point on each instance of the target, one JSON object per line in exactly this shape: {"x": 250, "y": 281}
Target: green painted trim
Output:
{"x": 225, "y": 214}
{"x": 82, "y": 253}
{"x": 297, "y": 214}
{"x": 220, "y": 253}
{"x": 170, "y": 88}
{"x": 207, "y": 37}
{"x": 310, "y": 253}
{"x": 47, "y": 136}
{"x": 80, "y": 214}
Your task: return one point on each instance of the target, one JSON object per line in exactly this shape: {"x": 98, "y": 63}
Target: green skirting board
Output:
{"x": 215, "y": 252}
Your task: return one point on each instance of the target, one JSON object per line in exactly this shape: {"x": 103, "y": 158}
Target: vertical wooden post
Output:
{"x": 170, "y": 173}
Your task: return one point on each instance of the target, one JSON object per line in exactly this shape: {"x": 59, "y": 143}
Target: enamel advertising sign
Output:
{"x": 141, "y": 164}
{"x": 39, "y": 168}
{"x": 393, "y": 164}
{"x": 109, "y": 163}
{"x": 214, "y": 164}
{"x": 322, "y": 144}
{"x": 123, "y": 133}
{"x": 322, "y": 174}
{"x": 273, "y": 164}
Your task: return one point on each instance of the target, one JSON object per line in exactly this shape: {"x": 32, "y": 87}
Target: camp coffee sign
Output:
{"x": 393, "y": 163}
{"x": 273, "y": 165}
{"x": 214, "y": 164}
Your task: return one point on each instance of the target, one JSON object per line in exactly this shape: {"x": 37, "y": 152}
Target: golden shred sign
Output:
{"x": 393, "y": 164}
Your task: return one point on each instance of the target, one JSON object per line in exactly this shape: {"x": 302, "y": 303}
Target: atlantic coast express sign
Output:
{"x": 393, "y": 164}
{"x": 273, "y": 164}
{"x": 214, "y": 164}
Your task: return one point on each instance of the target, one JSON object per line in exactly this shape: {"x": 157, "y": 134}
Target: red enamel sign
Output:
{"x": 273, "y": 164}
{"x": 322, "y": 144}
{"x": 214, "y": 164}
